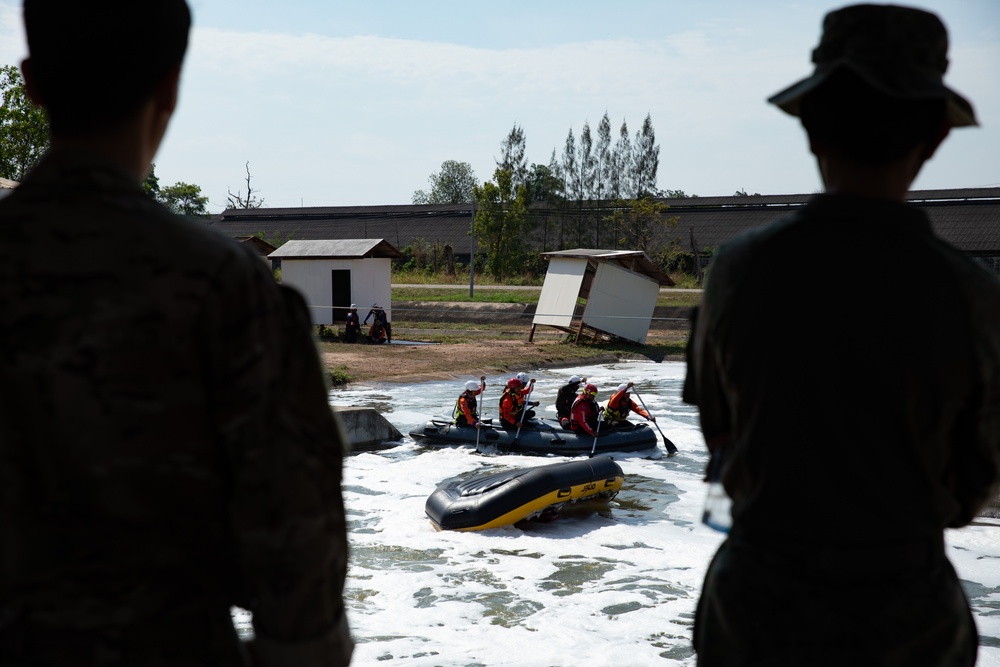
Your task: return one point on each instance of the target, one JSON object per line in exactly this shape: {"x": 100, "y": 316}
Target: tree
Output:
{"x": 24, "y": 129}
{"x": 237, "y": 200}
{"x": 602, "y": 154}
{"x": 500, "y": 223}
{"x": 181, "y": 198}
{"x": 184, "y": 199}
{"x": 569, "y": 166}
{"x": 543, "y": 184}
{"x": 620, "y": 185}
{"x": 646, "y": 160}
{"x": 512, "y": 156}
{"x": 584, "y": 186}
{"x": 637, "y": 222}
{"x": 151, "y": 184}
{"x": 452, "y": 185}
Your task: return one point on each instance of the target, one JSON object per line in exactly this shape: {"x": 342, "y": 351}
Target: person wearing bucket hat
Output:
{"x": 847, "y": 443}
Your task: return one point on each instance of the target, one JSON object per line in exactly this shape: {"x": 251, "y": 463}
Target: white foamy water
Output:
{"x": 615, "y": 587}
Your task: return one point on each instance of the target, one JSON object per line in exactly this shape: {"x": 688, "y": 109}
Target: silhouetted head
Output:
{"x": 878, "y": 88}
{"x": 95, "y": 63}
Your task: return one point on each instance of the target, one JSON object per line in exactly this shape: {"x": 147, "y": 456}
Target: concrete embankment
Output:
{"x": 366, "y": 429}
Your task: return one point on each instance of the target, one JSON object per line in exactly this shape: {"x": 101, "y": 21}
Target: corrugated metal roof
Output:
{"x": 633, "y": 260}
{"x": 968, "y": 218}
{"x": 336, "y": 248}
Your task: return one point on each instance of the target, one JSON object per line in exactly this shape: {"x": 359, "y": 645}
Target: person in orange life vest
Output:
{"x": 466, "y": 413}
{"x": 585, "y": 412}
{"x": 513, "y": 412}
{"x": 381, "y": 330}
{"x": 620, "y": 405}
{"x": 353, "y": 324}
{"x": 564, "y": 399}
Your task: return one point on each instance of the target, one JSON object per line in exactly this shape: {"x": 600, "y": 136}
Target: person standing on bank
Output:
{"x": 381, "y": 330}
{"x": 565, "y": 397}
{"x": 847, "y": 445}
{"x": 168, "y": 449}
{"x": 466, "y": 410}
{"x": 353, "y": 324}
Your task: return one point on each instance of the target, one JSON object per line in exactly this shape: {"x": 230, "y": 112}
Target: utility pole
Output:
{"x": 472, "y": 252}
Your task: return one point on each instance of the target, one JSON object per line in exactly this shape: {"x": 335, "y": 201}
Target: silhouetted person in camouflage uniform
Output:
{"x": 166, "y": 446}
{"x": 849, "y": 441}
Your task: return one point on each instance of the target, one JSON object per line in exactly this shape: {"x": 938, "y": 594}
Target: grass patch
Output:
{"x": 669, "y": 299}
{"x": 340, "y": 376}
{"x": 460, "y": 278}
{"x": 481, "y": 296}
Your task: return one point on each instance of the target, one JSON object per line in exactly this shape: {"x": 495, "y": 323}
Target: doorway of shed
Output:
{"x": 340, "y": 293}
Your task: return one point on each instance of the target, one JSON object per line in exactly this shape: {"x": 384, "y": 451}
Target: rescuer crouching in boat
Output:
{"x": 619, "y": 406}
{"x": 466, "y": 408}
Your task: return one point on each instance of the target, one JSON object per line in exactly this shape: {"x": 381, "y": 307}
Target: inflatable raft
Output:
{"x": 501, "y": 499}
{"x": 540, "y": 437}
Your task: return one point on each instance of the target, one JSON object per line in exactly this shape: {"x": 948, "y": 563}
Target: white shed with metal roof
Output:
{"x": 619, "y": 287}
{"x": 333, "y": 274}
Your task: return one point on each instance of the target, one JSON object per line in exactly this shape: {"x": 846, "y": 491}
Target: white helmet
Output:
{"x": 354, "y": 305}
{"x": 522, "y": 378}
{"x": 575, "y": 378}
{"x": 622, "y": 387}
{"x": 472, "y": 385}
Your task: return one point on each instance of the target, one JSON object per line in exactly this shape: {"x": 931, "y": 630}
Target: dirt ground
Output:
{"x": 461, "y": 361}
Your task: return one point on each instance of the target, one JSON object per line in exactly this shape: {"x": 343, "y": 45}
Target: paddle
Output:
{"x": 524, "y": 410}
{"x": 671, "y": 447}
{"x": 600, "y": 411}
{"x": 479, "y": 424}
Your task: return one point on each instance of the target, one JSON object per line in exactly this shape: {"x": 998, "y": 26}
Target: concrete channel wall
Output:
{"x": 664, "y": 317}
{"x": 366, "y": 429}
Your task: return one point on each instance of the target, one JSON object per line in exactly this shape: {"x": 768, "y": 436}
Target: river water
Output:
{"x": 616, "y": 586}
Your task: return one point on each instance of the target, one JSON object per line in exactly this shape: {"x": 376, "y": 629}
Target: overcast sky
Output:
{"x": 356, "y": 103}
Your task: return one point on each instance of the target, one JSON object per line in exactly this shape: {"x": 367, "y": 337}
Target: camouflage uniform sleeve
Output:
{"x": 281, "y": 450}
{"x": 975, "y": 467}
{"x": 703, "y": 385}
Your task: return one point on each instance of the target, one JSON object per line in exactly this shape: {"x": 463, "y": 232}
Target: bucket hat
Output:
{"x": 901, "y": 52}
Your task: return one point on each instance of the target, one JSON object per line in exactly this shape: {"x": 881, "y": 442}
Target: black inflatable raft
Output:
{"x": 539, "y": 437}
{"x": 501, "y": 499}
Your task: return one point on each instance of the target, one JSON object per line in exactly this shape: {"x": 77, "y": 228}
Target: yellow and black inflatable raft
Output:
{"x": 504, "y": 498}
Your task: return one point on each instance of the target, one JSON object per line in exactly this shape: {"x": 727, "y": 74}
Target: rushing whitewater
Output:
{"x": 612, "y": 586}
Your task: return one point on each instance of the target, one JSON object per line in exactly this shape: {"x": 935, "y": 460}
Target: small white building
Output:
{"x": 7, "y": 187}
{"x": 334, "y": 274}
{"x": 619, "y": 288}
